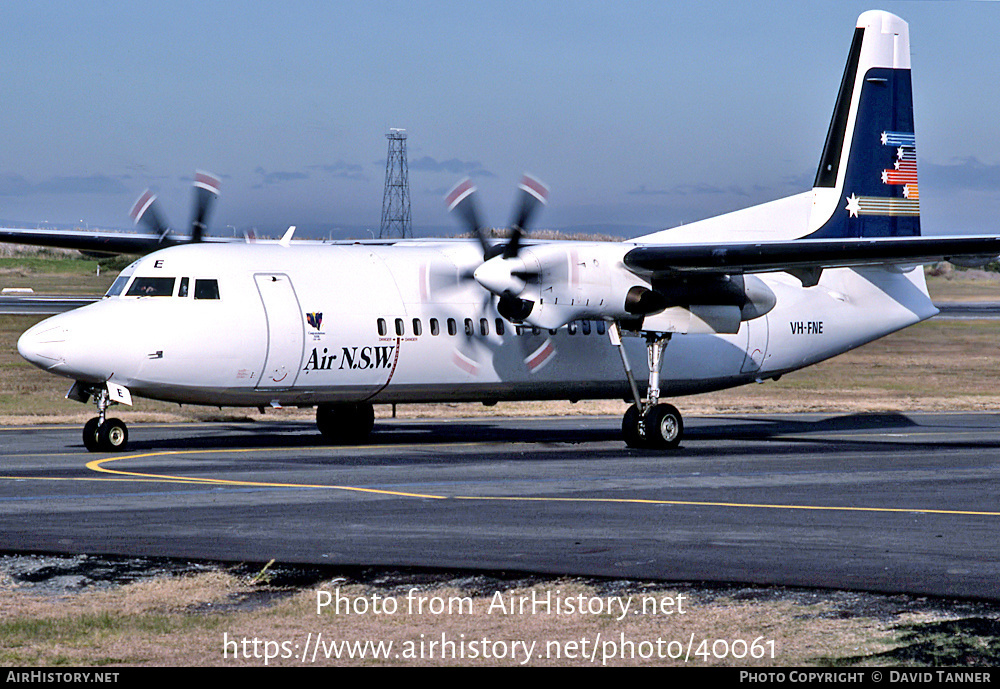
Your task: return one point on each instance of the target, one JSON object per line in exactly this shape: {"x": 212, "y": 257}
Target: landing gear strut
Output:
{"x": 649, "y": 424}
{"x": 101, "y": 434}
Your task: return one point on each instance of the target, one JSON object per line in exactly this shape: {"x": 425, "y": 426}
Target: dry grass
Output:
{"x": 27, "y": 251}
{"x": 186, "y": 620}
{"x": 947, "y": 283}
{"x": 48, "y": 270}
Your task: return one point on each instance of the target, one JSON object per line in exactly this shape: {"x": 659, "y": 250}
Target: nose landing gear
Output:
{"x": 101, "y": 434}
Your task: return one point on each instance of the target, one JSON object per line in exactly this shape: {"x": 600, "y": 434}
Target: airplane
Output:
{"x": 743, "y": 297}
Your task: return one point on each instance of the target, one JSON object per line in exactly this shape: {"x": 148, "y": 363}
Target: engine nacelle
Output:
{"x": 581, "y": 282}
{"x": 550, "y": 285}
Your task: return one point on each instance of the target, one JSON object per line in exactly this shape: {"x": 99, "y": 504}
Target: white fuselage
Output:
{"x": 404, "y": 322}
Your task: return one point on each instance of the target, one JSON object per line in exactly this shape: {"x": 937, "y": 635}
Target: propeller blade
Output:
{"x": 462, "y": 200}
{"x": 206, "y": 190}
{"x": 528, "y": 277}
{"x": 513, "y": 246}
{"x": 146, "y": 211}
{"x": 532, "y": 194}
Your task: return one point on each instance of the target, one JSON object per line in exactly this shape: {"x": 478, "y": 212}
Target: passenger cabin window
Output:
{"x": 418, "y": 327}
{"x": 452, "y": 327}
{"x": 435, "y": 327}
{"x": 206, "y": 289}
{"x": 399, "y": 326}
{"x": 382, "y": 329}
{"x": 151, "y": 287}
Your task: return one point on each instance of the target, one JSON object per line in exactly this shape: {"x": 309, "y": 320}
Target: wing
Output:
{"x": 97, "y": 241}
{"x": 806, "y": 254}
{"x": 206, "y": 190}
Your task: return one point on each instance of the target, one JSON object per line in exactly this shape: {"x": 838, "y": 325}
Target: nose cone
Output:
{"x": 497, "y": 275}
{"x": 71, "y": 344}
{"x": 44, "y": 344}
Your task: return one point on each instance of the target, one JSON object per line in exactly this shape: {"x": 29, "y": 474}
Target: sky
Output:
{"x": 638, "y": 115}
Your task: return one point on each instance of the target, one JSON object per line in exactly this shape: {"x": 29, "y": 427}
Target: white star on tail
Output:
{"x": 853, "y": 205}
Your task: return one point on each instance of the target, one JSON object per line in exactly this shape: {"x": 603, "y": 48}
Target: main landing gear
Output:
{"x": 345, "y": 423}
{"x": 101, "y": 434}
{"x": 649, "y": 424}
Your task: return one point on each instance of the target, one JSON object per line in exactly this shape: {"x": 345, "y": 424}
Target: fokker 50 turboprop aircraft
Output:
{"x": 742, "y": 297}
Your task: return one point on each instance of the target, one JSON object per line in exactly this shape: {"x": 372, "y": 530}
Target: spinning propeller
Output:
{"x": 206, "y": 190}
{"x": 502, "y": 271}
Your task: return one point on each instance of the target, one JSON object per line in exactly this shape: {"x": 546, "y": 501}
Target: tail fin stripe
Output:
{"x": 879, "y": 205}
{"x": 899, "y": 139}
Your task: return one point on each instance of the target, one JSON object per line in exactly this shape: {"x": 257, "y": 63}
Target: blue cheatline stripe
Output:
{"x": 899, "y": 139}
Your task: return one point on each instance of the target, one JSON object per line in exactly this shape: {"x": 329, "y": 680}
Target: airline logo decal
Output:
{"x": 314, "y": 319}
{"x": 353, "y": 358}
{"x": 903, "y": 173}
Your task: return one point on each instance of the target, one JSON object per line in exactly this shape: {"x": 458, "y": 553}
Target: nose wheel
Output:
{"x": 111, "y": 435}
{"x": 102, "y": 434}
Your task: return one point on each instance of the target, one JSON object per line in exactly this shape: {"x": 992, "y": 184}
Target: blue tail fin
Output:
{"x": 866, "y": 185}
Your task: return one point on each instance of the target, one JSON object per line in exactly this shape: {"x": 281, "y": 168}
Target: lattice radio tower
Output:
{"x": 396, "y": 198}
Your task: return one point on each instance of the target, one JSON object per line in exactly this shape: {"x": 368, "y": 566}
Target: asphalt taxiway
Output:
{"x": 889, "y": 502}
{"x": 41, "y": 305}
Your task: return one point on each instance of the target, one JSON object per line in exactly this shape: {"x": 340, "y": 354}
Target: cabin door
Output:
{"x": 285, "y": 335}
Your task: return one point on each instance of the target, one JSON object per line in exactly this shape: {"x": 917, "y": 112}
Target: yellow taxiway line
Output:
{"x": 98, "y": 465}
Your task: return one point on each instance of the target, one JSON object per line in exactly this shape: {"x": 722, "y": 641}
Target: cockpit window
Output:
{"x": 118, "y": 286}
{"x": 151, "y": 287}
{"x": 206, "y": 289}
